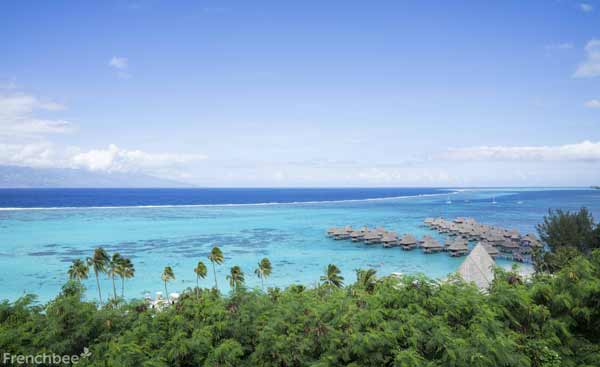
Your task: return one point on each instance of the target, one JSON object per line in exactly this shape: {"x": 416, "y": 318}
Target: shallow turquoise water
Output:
{"x": 37, "y": 246}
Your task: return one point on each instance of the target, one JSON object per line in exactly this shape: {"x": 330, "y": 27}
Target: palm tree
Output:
{"x": 200, "y": 271}
{"x": 125, "y": 270}
{"x": 332, "y": 277}
{"x": 113, "y": 269}
{"x": 216, "y": 257}
{"x": 263, "y": 271}
{"x": 365, "y": 279}
{"x": 98, "y": 262}
{"x": 167, "y": 276}
{"x": 78, "y": 270}
{"x": 236, "y": 277}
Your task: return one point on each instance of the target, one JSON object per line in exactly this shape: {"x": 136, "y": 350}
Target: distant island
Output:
{"x": 596, "y": 187}
{"x": 30, "y": 177}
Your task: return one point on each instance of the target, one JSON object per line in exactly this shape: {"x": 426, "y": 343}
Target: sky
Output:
{"x": 306, "y": 93}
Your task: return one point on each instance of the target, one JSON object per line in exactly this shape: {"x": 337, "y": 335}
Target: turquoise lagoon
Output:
{"x": 37, "y": 245}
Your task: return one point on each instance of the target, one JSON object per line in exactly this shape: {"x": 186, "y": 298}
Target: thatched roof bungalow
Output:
{"x": 408, "y": 242}
{"x": 431, "y": 246}
{"x": 458, "y": 248}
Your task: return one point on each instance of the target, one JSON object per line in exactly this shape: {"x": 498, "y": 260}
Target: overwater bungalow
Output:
{"x": 431, "y": 246}
{"x": 338, "y": 234}
{"x": 357, "y": 236}
{"x": 508, "y": 246}
{"x": 390, "y": 239}
{"x": 496, "y": 239}
{"x": 408, "y": 242}
{"x": 372, "y": 237}
{"x": 341, "y": 233}
{"x": 530, "y": 240}
{"x": 448, "y": 242}
{"x": 458, "y": 248}
{"x": 425, "y": 239}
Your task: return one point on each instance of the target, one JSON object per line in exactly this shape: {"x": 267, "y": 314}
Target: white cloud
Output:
{"x": 585, "y": 151}
{"x": 17, "y": 116}
{"x": 120, "y": 63}
{"x": 121, "y": 160}
{"x": 590, "y": 67}
{"x": 111, "y": 159}
{"x": 593, "y": 103}
{"x": 586, "y": 8}
{"x": 35, "y": 154}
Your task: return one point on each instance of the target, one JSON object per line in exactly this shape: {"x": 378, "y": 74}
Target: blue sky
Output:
{"x": 311, "y": 93}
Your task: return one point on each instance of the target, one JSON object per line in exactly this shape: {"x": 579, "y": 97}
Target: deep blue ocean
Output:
{"x": 47, "y": 198}
{"x": 43, "y": 230}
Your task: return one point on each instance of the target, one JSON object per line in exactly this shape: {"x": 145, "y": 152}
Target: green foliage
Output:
{"x": 548, "y": 321}
{"x": 98, "y": 262}
{"x": 236, "y": 278}
{"x": 167, "y": 276}
{"x": 565, "y": 229}
{"x": 332, "y": 277}
{"x": 263, "y": 270}
{"x": 201, "y": 272}
{"x": 78, "y": 270}
{"x": 567, "y": 235}
{"x": 216, "y": 258}
{"x": 365, "y": 279}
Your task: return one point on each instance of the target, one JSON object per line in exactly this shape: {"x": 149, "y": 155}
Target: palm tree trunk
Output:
{"x": 98, "y": 284}
{"x": 166, "y": 291}
{"x": 114, "y": 287}
{"x": 122, "y": 287}
{"x": 215, "y": 273}
{"x": 262, "y": 283}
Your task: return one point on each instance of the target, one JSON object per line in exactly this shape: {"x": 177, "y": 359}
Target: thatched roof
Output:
{"x": 408, "y": 239}
{"x": 426, "y": 238}
{"x": 432, "y": 243}
{"x": 509, "y": 244}
{"x": 458, "y": 246}
{"x": 478, "y": 267}
{"x": 371, "y": 236}
{"x": 389, "y": 237}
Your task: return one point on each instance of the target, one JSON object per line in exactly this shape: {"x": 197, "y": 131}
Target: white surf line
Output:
{"x": 225, "y": 205}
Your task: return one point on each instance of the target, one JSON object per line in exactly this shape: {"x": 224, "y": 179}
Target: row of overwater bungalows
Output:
{"x": 496, "y": 240}
{"x": 391, "y": 239}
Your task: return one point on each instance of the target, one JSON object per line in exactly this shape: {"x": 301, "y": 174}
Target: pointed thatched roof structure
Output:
{"x": 478, "y": 267}
{"x": 371, "y": 236}
{"x": 458, "y": 246}
{"x": 389, "y": 237}
{"x": 408, "y": 239}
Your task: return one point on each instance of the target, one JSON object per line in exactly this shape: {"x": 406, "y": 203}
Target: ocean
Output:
{"x": 43, "y": 230}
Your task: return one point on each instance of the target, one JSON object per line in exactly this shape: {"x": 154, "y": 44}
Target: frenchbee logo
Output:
{"x": 86, "y": 353}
